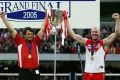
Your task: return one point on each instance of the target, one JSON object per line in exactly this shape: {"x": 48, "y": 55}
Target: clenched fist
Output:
{"x": 2, "y": 14}
{"x": 116, "y": 16}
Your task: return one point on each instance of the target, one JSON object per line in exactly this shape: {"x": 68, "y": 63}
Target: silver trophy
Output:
{"x": 56, "y": 17}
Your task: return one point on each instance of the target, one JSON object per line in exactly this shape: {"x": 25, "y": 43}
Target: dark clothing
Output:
{"x": 27, "y": 74}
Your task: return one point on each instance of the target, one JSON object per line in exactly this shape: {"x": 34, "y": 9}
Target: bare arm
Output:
{"x": 76, "y": 37}
{"x": 116, "y": 17}
{"x": 109, "y": 39}
{"x": 41, "y": 32}
{"x": 8, "y": 25}
{"x": 113, "y": 36}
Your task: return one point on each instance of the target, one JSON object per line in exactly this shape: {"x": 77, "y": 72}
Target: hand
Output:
{"x": 116, "y": 16}
{"x": 2, "y": 14}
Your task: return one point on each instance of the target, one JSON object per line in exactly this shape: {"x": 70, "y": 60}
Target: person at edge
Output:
{"x": 28, "y": 58}
{"x": 95, "y": 53}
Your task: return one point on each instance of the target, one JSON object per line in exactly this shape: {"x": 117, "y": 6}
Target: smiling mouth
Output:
{"x": 95, "y": 35}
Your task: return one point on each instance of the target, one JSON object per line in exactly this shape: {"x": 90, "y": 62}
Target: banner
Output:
{"x": 81, "y": 14}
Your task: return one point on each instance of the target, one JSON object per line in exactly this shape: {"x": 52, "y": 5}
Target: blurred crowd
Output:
{"x": 7, "y": 44}
{"x": 70, "y": 46}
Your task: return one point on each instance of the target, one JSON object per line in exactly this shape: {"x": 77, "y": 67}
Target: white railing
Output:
{"x": 59, "y": 57}
{"x": 52, "y": 74}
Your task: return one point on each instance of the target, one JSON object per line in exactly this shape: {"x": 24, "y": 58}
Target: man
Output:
{"x": 27, "y": 45}
{"x": 95, "y": 53}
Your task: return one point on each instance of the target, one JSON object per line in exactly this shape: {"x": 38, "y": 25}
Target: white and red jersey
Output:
{"x": 23, "y": 60}
{"x": 97, "y": 65}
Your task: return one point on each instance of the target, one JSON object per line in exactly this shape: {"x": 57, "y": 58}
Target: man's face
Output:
{"x": 29, "y": 35}
{"x": 95, "y": 33}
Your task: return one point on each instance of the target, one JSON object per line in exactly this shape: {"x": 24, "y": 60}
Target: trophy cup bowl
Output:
{"x": 56, "y": 17}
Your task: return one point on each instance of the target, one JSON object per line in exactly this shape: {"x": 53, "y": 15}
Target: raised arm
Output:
{"x": 41, "y": 32}
{"x": 76, "y": 37}
{"x": 113, "y": 36}
{"x": 116, "y": 16}
{"x": 8, "y": 25}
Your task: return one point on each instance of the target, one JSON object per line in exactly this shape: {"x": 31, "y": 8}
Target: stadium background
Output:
{"x": 65, "y": 65}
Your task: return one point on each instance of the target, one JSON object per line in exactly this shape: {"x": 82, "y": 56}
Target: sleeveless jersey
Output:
{"x": 96, "y": 65}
